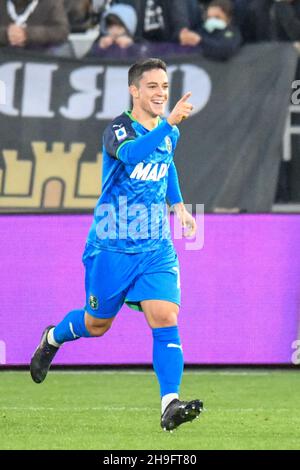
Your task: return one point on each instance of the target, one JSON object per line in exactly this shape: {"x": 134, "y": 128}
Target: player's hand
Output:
{"x": 181, "y": 111}
{"x": 187, "y": 220}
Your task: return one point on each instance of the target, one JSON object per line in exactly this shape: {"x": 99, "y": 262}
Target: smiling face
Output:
{"x": 151, "y": 93}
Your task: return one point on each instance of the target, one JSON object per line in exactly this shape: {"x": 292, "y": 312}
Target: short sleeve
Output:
{"x": 116, "y": 134}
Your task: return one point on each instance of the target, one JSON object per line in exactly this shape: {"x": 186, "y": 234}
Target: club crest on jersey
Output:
{"x": 169, "y": 144}
{"x": 93, "y": 302}
{"x": 121, "y": 134}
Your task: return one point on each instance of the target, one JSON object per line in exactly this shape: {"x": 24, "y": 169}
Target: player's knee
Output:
{"x": 96, "y": 326}
{"x": 164, "y": 319}
{"x": 169, "y": 319}
{"x": 98, "y": 331}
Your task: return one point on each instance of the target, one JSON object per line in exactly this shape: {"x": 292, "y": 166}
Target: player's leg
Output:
{"x": 168, "y": 363}
{"x": 157, "y": 291}
{"x": 77, "y": 324}
{"x": 160, "y": 280}
{"x": 101, "y": 282}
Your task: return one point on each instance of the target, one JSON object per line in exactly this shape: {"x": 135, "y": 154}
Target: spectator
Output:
{"x": 220, "y": 39}
{"x": 287, "y": 20}
{"x": 80, "y": 15}
{"x": 118, "y": 30}
{"x": 187, "y": 19}
{"x": 217, "y": 38}
{"x": 118, "y": 27}
{"x": 32, "y": 23}
{"x": 154, "y": 20}
{"x": 161, "y": 20}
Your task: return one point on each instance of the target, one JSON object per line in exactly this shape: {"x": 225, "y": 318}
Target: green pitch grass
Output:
{"x": 120, "y": 410}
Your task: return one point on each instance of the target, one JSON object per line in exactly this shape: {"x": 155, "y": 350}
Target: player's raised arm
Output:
{"x": 136, "y": 150}
{"x": 181, "y": 111}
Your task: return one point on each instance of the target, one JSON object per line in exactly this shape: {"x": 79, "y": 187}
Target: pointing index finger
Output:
{"x": 186, "y": 97}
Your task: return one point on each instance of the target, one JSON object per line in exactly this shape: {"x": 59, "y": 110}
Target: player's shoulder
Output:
{"x": 123, "y": 118}
{"x": 117, "y": 133}
{"x": 119, "y": 126}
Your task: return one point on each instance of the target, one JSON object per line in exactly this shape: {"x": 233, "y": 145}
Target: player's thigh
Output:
{"x": 105, "y": 284}
{"x": 160, "y": 313}
{"x": 157, "y": 289}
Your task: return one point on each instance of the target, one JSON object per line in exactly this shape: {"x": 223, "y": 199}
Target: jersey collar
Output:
{"x": 129, "y": 114}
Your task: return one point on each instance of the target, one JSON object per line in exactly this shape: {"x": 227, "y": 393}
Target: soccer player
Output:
{"x": 129, "y": 256}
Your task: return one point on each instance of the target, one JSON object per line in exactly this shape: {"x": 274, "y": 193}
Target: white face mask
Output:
{"x": 211, "y": 24}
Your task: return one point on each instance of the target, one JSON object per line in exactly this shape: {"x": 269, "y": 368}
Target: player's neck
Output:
{"x": 143, "y": 118}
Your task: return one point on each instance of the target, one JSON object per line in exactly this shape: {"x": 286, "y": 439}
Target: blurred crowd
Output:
{"x": 132, "y": 28}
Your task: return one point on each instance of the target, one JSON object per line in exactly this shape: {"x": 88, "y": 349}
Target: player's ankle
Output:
{"x": 167, "y": 399}
{"x": 51, "y": 340}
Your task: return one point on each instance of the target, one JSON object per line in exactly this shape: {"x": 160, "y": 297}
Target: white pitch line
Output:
{"x": 68, "y": 409}
{"x": 134, "y": 409}
{"x": 255, "y": 410}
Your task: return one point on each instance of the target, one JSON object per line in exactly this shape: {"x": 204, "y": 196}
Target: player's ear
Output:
{"x": 134, "y": 91}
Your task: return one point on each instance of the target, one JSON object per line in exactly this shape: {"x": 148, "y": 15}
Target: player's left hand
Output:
{"x": 187, "y": 220}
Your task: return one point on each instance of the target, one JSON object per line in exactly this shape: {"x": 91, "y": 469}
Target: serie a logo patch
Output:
{"x": 93, "y": 302}
{"x": 121, "y": 134}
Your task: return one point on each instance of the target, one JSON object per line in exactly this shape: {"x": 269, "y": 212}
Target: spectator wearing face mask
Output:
{"x": 220, "y": 39}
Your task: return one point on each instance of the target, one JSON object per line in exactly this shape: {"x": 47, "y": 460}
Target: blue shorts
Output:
{"x": 113, "y": 279}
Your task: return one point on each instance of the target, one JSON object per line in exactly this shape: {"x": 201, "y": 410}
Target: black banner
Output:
{"x": 53, "y": 112}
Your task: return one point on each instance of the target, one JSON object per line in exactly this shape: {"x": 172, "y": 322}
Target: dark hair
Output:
{"x": 225, "y": 5}
{"x": 112, "y": 20}
{"x": 136, "y": 70}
